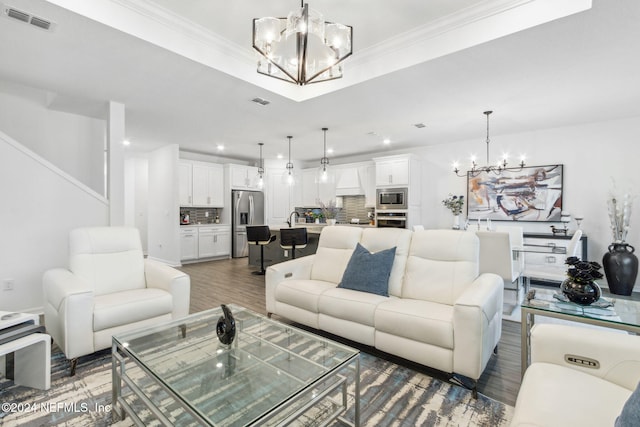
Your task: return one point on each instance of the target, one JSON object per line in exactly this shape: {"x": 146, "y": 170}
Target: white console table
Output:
{"x": 32, "y": 353}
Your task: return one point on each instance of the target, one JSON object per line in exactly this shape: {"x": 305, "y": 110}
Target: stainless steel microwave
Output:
{"x": 391, "y": 198}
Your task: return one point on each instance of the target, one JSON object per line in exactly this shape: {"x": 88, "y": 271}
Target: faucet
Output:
{"x": 294, "y": 214}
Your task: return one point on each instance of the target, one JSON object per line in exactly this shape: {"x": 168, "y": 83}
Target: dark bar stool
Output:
{"x": 259, "y": 235}
{"x": 292, "y": 238}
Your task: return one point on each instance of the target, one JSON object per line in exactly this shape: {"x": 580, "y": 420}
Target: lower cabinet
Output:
{"x": 188, "y": 243}
{"x": 205, "y": 242}
{"x": 214, "y": 241}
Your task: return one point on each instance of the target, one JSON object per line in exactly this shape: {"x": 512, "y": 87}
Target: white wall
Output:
{"x": 40, "y": 205}
{"x": 136, "y": 187}
{"x": 594, "y": 155}
{"x": 164, "y": 227}
{"x": 73, "y": 143}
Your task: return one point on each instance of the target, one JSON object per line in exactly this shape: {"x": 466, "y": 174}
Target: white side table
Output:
{"x": 32, "y": 354}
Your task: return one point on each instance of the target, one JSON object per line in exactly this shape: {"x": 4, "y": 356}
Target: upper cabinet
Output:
{"x": 185, "y": 174}
{"x": 313, "y": 189}
{"x": 244, "y": 177}
{"x": 368, "y": 179}
{"x": 201, "y": 184}
{"x": 392, "y": 171}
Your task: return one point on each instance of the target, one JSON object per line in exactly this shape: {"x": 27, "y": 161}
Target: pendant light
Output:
{"x": 289, "y": 165}
{"x": 261, "y": 168}
{"x": 324, "y": 161}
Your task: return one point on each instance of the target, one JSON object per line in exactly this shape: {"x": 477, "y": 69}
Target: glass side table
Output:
{"x": 624, "y": 315}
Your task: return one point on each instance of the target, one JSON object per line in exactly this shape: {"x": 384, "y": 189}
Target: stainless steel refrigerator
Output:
{"x": 247, "y": 209}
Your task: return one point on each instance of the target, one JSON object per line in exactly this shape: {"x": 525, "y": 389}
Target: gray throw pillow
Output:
{"x": 630, "y": 415}
{"x": 369, "y": 272}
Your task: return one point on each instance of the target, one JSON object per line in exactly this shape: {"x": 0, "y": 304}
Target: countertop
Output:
{"x": 313, "y": 228}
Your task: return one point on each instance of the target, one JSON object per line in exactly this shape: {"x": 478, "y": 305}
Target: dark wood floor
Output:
{"x": 230, "y": 281}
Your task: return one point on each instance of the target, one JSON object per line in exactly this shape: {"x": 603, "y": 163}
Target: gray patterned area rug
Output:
{"x": 391, "y": 395}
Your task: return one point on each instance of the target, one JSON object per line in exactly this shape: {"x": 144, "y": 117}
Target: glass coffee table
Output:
{"x": 622, "y": 314}
{"x": 179, "y": 373}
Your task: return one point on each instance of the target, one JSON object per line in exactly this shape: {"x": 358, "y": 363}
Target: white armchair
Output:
{"x": 577, "y": 377}
{"x": 109, "y": 288}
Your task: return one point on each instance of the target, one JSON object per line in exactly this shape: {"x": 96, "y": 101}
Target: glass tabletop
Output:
{"x": 266, "y": 365}
{"x": 623, "y": 310}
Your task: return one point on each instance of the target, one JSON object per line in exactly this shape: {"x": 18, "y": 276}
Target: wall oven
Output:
{"x": 391, "y": 219}
{"x": 391, "y": 198}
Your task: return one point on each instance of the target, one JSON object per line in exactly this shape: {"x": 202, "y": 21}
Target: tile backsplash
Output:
{"x": 199, "y": 215}
{"x": 352, "y": 207}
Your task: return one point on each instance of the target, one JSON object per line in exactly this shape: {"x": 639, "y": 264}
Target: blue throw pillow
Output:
{"x": 369, "y": 272}
{"x": 630, "y": 415}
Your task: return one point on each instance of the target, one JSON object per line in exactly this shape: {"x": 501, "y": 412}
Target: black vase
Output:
{"x": 583, "y": 293}
{"x": 621, "y": 268}
{"x": 226, "y": 326}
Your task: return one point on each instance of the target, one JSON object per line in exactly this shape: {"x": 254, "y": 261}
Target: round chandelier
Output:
{"x": 302, "y": 48}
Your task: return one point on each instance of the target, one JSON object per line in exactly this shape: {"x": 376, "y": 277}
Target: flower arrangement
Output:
{"x": 329, "y": 210}
{"x": 619, "y": 215}
{"x": 583, "y": 271}
{"x": 454, "y": 204}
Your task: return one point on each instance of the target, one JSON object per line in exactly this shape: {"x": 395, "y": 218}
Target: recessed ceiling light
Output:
{"x": 386, "y": 141}
{"x": 260, "y": 101}
{"x": 420, "y": 125}
{"x": 330, "y": 150}
{"x": 279, "y": 155}
{"x": 220, "y": 147}
{"x": 126, "y": 143}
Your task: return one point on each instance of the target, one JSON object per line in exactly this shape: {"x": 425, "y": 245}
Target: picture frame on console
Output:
{"x": 531, "y": 193}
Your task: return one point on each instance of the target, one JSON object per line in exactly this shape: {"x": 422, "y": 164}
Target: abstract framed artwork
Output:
{"x": 533, "y": 193}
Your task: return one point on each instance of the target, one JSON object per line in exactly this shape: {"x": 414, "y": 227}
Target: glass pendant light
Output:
{"x": 290, "y": 165}
{"x": 323, "y": 175}
{"x": 261, "y": 168}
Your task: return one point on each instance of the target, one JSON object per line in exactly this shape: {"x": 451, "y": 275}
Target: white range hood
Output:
{"x": 349, "y": 183}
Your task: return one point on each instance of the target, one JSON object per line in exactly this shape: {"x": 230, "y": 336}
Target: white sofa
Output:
{"x": 108, "y": 288}
{"x": 440, "y": 312}
{"x": 555, "y": 392}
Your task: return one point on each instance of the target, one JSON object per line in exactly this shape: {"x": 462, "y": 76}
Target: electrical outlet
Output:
{"x": 286, "y": 253}
{"x": 8, "y": 284}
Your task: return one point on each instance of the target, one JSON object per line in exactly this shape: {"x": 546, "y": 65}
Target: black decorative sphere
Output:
{"x": 583, "y": 293}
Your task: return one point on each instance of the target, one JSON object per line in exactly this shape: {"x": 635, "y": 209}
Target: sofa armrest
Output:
{"x": 68, "y": 311}
{"x": 477, "y": 322}
{"x": 174, "y": 281}
{"x": 299, "y": 268}
{"x": 618, "y": 354}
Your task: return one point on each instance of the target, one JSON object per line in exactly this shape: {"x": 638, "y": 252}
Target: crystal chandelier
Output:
{"x": 261, "y": 168}
{"x": 301, "y": 48}
{"x": 496, "y": 169}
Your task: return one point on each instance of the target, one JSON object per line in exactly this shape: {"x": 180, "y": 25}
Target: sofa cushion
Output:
{"x": 368, "y": 272}
{"x": 422, "y": 321}
{"x": 441, "y": 265}
{"x": 553, "y": 395}
{"x": 123, "y": 308}
{"x": 630, "y": 415}
{"x": 350, "y": 305}
{"x": 303, "y": 294}
{"x": 335, "y": 247}
{"x": 377, "y": 239}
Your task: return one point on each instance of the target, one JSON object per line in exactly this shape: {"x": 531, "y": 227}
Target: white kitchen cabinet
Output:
{"x": 368, "y": 179}
{"x": 392, "y": 172}
{"x": 188, "y": 243}
{"x": 185, "y": 178}
{"x": 214, "y": 241}
{"x": 243, "y": 177}
{"x": 208, "y": 184}
{"x": 313, "y": 189}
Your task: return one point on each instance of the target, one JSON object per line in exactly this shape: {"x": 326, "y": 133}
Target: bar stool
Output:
{"x": 292, "y": 238}
{"x": 260, "y": 235}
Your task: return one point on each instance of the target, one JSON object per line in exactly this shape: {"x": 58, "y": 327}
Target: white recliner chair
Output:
{"x": 109, "y": 288}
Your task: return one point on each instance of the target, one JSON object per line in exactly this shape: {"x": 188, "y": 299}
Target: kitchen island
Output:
{"x": 274, "y": 254}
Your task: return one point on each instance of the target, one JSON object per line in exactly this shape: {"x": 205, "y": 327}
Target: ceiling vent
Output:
{"x": 27, "y": 18}
{"x": 420, "y": 125}
{"x": 260, "y": 101}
